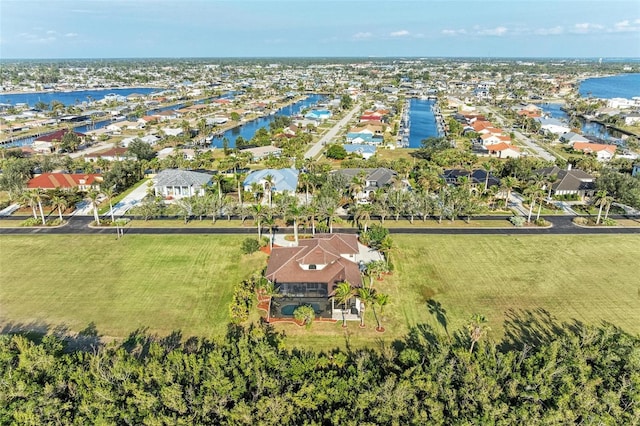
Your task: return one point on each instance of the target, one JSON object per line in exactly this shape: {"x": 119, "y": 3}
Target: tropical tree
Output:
{"x": 367, "y": 297}
{"x": 342, "y": 295}
{"x": 268, "y": 289}
{"x": 362, "y": 215}
{"x": 258, "y": 212}
{"x": 295, "y": 213}
{"x": 507, "y": 184}
{"x": 602, "y": 199}
{"x": 28, "y": 198}
{"x": 381, "y": 300}
{"x": 93, "y": 195}
{"x": 306, "y": 314}
{"x": 477, "y": 329}
{"x": 185, "y": 207}
{"x": 269, "y": 181}
{"x": 60, "y": 203}
{"x": 109, "y": 193}
{"x": 270, "y": 222}
{"x": 38, "y": 197}
{"x": 218, "y": 179}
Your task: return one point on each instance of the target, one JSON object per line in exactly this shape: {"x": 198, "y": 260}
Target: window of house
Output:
{"x": 312, "y": 266}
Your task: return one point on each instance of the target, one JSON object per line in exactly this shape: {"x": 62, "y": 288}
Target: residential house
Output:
{"x": 632, "y": 119}
{"x": 570, "y": 181}
{"x": 553, "y": 125}
{"x": 260, "y": 152}
{"x": 601, "y": 151}
{"x": 477, "y": 177}
{"x": 177, "y": 183}
{"x": 318, "y": 114}
{"x": 113, "y": 154}
{"x": 366, "y": 151}
{"x": 79, "y": 181}
{"x": 184, "y": 153}
{"x": 282, "y": 180}
{"x": 309, "y": 273}
{"x": 571, "y": 137}
{"x": 47, "y": 143}
{"x": 503, "y": 150}
{"x": 374, "y": 179}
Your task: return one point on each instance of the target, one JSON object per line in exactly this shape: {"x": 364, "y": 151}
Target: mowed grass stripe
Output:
{"x": 164, "y": 283}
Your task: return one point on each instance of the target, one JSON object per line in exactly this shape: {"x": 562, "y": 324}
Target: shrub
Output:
{"x": 374, "y": 235}
{"x": 541, "y": 222}
{"x": 32, "y": 221}
{"x": 583, "y": 221}
{"x": 54, "y": 222}
{"x": 250, "y": 245}
{"x": 609, "y": 222}
{"x": 264, "y": 241}
{"x": 517, "y": 221}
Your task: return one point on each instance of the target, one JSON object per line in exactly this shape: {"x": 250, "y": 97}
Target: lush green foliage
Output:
{"x": 250, "y": 245}
{"x": 577, "y": 375}
{"x": 336, "y": 152}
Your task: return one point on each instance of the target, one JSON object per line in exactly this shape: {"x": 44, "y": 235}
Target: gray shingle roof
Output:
{"x": 177, "y": 177}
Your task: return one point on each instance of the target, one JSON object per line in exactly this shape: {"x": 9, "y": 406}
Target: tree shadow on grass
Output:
{"x": 87, "y": 340}
{"x": 534, "y": 328}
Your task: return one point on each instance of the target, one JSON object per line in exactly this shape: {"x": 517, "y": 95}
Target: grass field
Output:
{"x": 185, "y": 283}
{"x": 165, "y": 283}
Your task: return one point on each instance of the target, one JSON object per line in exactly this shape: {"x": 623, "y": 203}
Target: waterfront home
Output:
{"x": 372, "y": 180}
{"x": 309, "y": 274}
{"x": 260, "y": 152}
{"x": 602, "y": 152}
{"x": 149, "y": 139}
{"x": 632, "y": 119}
{"x": 68, "y": 181}
{"x": 281, "y": 180}
{"x": 177, "y": 183}
{"x": 553, "y": 125}
{"x": 48, "y": 143}
{"x": 112, "y": 154}
{"x": 318, "y": 114}
{"x": 571, "y": 137}
{"x": 184, "y": 153}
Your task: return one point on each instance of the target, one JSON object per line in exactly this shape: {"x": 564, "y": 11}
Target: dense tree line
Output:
{"x": 540, "y": 373}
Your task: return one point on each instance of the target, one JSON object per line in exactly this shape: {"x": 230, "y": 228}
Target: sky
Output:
{"x": 31, "y": 29}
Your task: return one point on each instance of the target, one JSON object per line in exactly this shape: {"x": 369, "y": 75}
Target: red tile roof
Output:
{"x": 56, "y": 136}
{"x": 62, "y": 180}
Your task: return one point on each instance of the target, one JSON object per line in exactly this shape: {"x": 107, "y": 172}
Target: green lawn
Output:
{"x": 185, "y": 282}
{"x": 165, "y": 283}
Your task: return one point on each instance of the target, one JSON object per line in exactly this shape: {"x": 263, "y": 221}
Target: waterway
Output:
{"x": 249, "y": 129}
{"x": 618, "y": 86}
{"x": 70, "y": 98}
{"x": 587, "y": 128}
{"x": 422, "y": 122}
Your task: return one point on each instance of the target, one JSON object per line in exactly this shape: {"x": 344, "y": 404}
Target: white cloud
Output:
{"x": 401, "y": 33}
{"x": 549, "y": 31}
{"x": 448, "y": 32}
{"x": 362, "y": 35}
{"x": 70, "y": 35}
{"x": 34, "y": 38}
{"x": 586, "y": 27}
{"x": 626, "y": 26}
{"x": 497, "y": 31}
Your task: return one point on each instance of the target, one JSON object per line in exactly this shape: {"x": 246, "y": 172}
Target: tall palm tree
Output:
{"x": 269, "y": 181}
{"x": 109, "y": 194}
{"x": 487, "y": 166}
{"x": 305, "y": 180}
{"x": 93, "y": 196}
{"x": 28, "y": 198}
{"x": 600, "y": 200}
{"x": 367, "y": 298}
{"x": 381, "y": 300}
{"x": 258, "y": 212}
{"x": 508, "y": 184}
{"x": 342, "y": 295}
{"x": 60, "y": 203}
{"x": 270, "y": 222}
{"x": 238, "y": 178}
{"x": 39, "y": 196}
{"x": 218, "y": 179}
{"x": 296, "y": 213}
{"x": 477, "y": 328}
{"x": 269, "y": 290}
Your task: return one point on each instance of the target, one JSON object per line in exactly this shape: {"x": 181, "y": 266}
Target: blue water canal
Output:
{"x": 248, "y": 129}
{"x": 70, "y": 98}
{"x": 422, "y": 122}
{"x": 588, "y": 128}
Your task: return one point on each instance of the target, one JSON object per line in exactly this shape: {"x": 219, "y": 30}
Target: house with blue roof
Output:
{"x": 282, "y": 179}
{"x": 364, "y": 150}
{"x": 318, "y": 114}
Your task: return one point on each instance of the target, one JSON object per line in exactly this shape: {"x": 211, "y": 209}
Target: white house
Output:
{"x": 553, "y": 125}
{"x": 177, "y": 183}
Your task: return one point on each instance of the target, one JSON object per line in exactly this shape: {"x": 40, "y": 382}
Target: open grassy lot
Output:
{"x": 165, "y": 283}
{"x": 185, "y": 283}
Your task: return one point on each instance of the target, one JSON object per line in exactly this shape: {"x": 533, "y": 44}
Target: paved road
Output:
{"x": 562, "y": 225}
{"x": 317, "y": 147}
{"x": 537, "y": 149}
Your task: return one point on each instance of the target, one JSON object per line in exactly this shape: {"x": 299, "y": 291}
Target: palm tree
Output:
{"x": 270, "y": 223}
{"x": 305, "y": 180}
{"x": 218, "y": 179}
{"x": 608, "y": 200}
{"x": 38, "y": 197}
{"x": 93, "y": 196}
{"x": 342, "y": 295}
{"x": 306, "y": 314}
{"x": 367, "y": 297}
{"x": 600, "y": 200}
{"x": 269, "y": 290}
{"x": 477, "y": 329}
{"x": 28, "y": 198}
{"x": 109, "y": 193}
{"x": 238, "y": 178}
{"x": 269, "y": 181}
{"x": 258, "y": 212}
{"x": 381, "y": 300}
{"x": 362, "y": 213}
{"x": 60, "y": 203}
{"x": 508, "y": 184}
{"x": 312, "y": 211}
{"x": 296, "y": 213}
{"x": 487, "y": 166}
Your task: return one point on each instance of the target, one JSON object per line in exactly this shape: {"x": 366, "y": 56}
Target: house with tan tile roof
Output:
{"x": 79, "y": 181}
{"x": 309, "y": 273}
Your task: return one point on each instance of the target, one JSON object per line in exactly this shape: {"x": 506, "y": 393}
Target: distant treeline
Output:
{"x": 540, "y": 374}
